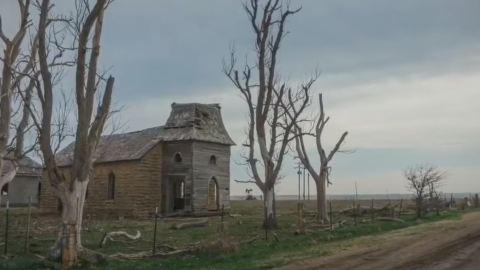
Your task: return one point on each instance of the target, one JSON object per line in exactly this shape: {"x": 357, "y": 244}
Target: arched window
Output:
{"x": 178, "y": 158}
{"x": 213, "y": 202}
{"x": 213, "y": 160}
{"x": 111, "y": 186}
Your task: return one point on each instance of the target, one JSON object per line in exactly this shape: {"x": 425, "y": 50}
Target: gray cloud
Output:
{"x": 393, "y": 72}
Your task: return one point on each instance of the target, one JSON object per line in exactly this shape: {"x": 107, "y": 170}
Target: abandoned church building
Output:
{"x": 182, "y": 167}
{"x": 25, "y": 184}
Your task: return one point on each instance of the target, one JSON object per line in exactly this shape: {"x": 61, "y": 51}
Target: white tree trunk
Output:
{"x": 69, "y": 237}
{"x": 65, "y": 250}
{"x": 270, "y": 221}
{"x": 80, "y": 190}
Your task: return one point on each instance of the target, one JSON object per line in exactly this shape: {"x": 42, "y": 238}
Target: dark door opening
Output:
{"x": 179, "y": 195}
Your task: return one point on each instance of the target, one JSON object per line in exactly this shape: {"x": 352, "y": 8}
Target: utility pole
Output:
{"x": 299, "y": 172}
{"x": 304, "y": 183}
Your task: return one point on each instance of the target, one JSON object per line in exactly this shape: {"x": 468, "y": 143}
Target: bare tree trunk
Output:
{"x": 81, "y": 190}
{"x": 322, "y": 212}
{"x": 419, "y": 204}
{"x": 65, "y": 249}
{"x": 270, "y": 221}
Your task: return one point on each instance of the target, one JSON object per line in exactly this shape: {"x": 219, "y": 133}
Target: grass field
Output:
{"x": 229, "y": 253}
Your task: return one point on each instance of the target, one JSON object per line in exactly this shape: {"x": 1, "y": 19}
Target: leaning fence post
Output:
{"x": 354, "y": 213}
{"x": 28, "y": 223}
{"x": 155, "y": 233}
{"x": 6, "y": 228}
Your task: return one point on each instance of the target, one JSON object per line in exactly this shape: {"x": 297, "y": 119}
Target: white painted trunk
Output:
{"x": 69, "y": 236}
{"x": 66, "y": 242}
{"x": 270, "y": 221}
{"x": 80, "y": 191}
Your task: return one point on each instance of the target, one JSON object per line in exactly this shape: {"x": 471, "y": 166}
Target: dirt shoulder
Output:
{"x": 444, "y": 245}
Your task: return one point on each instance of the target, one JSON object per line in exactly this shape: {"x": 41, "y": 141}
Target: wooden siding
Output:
{"x": 170, "y": 167}
{"x": 203, "y": 171}
{"x": 19, "y": 191}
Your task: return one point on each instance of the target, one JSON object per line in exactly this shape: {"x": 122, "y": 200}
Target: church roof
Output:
{"x": 188, "y": 121}
{"x": 195, "y": 121}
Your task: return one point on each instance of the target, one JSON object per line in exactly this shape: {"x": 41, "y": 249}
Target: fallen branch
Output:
{"x": 108, "y": 236}
{"x": 148, "y": 254}
{"x": 249, "y": 241}
{"x": 200, "y": 223}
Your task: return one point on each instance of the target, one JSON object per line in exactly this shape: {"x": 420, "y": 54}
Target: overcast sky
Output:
{"x": 403, "y": 77}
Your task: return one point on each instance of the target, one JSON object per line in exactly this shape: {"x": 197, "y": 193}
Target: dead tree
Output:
{"x": 87, "y": 19}
{"x": 321, "y": 178}
{"x": 12, "y": 84}
{"x": 268, "y": 127}
{"x": 423, "y": 180}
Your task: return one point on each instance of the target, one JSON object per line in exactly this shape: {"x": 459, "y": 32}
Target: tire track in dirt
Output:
{"x": 445, "y": 255}
{"x": 455, "y": 247}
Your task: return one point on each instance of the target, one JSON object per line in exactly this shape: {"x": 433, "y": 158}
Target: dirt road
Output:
{"x": 453, "y": 246}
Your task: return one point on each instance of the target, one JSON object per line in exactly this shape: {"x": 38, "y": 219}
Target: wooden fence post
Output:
{"x": 302, "y": 229}
{"x": 28, "y": 223}
{"x": 477, "y": 203}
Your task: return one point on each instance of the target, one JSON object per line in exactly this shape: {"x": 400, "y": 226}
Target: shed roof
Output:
{"x": 187, "y": 121}
{"x": 26, "y": 167}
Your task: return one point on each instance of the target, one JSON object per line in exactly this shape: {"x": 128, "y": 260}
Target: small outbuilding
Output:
{"x": 25, "y": 185}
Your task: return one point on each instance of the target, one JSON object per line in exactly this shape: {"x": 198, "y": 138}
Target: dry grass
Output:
{"x": 225, "y": 250}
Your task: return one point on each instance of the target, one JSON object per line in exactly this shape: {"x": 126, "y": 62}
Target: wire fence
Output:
{"x": 26, "y": 230}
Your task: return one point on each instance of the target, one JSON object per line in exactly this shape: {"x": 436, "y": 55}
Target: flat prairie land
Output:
{"x": 238, "y": 242}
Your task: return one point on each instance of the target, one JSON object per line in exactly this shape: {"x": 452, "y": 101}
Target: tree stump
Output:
{"x": 302, "y": 226}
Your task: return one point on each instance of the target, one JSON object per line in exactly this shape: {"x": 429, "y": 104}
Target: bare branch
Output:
{"x": 423, "y": 180}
